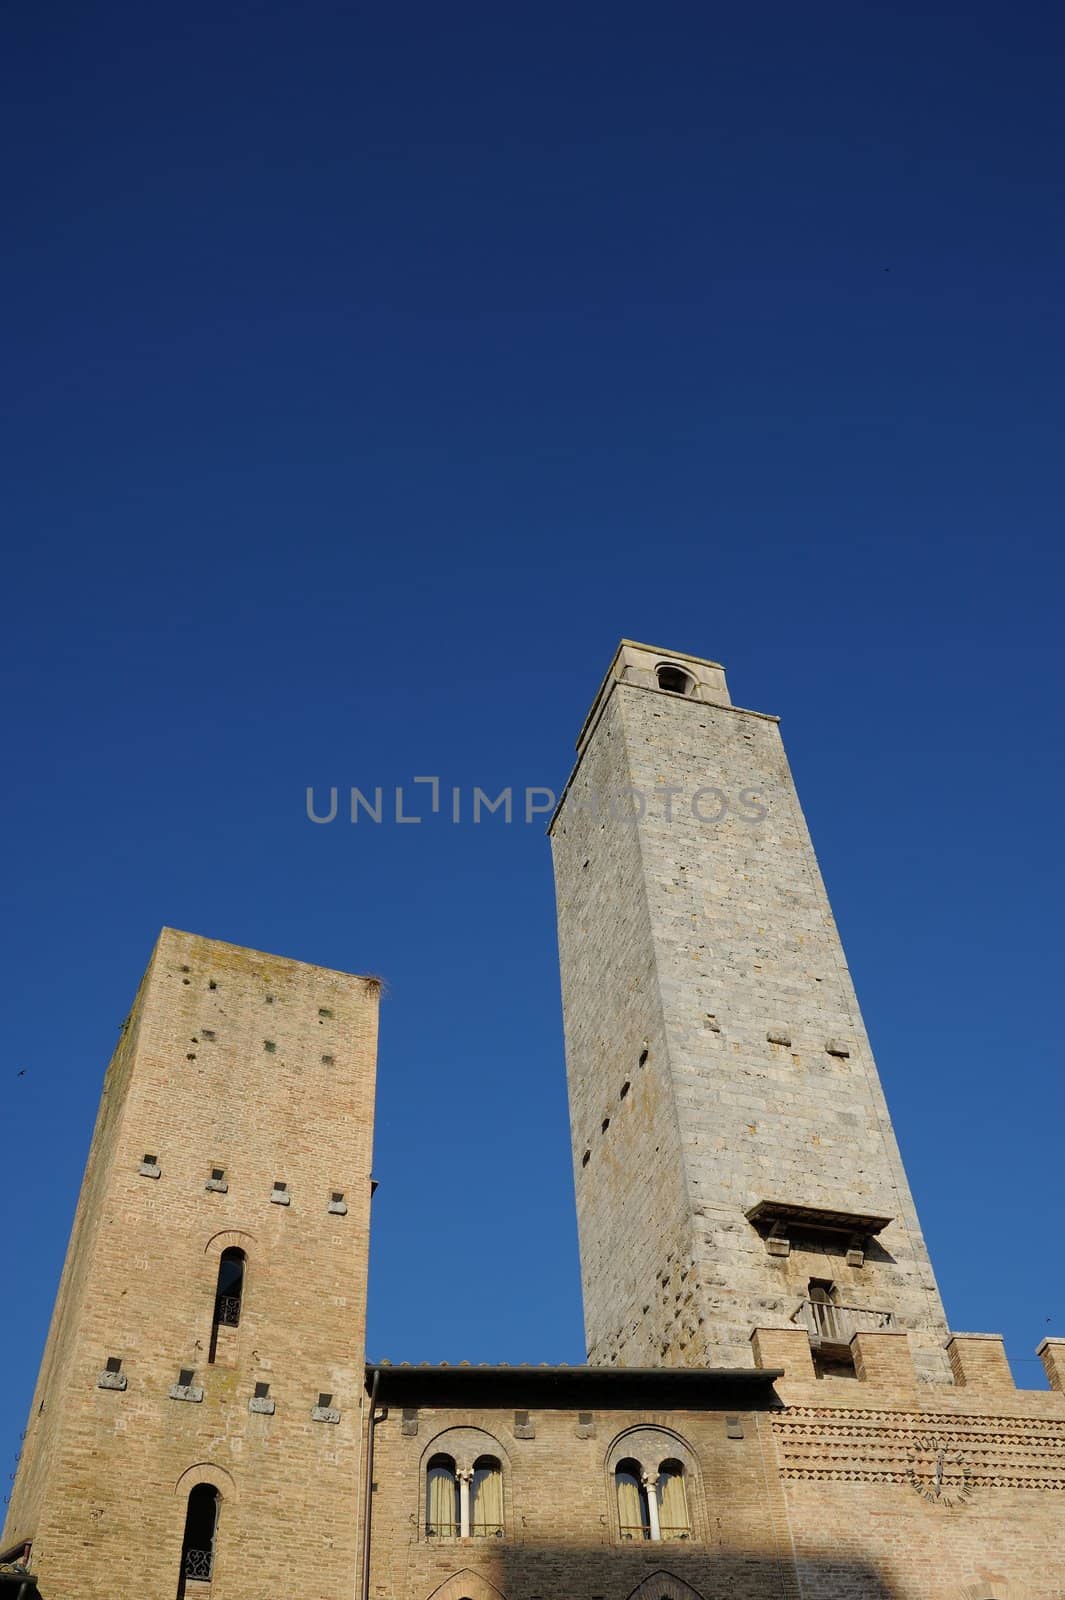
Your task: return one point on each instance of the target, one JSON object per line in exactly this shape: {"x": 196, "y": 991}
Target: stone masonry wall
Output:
{"x": 263, "y": 1067}
{"x": 633, "y": 1214}
{"x": 745, "y": 939}
{"x": 704, "y": 920}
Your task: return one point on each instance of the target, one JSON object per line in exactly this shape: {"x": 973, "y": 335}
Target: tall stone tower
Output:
{"x": 196, "y": 1423}
{"x": 734, "y": 1158}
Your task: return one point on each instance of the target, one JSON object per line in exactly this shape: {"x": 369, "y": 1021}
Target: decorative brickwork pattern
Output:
{"x": 867, "y": 1446}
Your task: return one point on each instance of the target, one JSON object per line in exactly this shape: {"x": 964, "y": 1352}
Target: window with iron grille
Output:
{"x": 198, "y": 1544}
{"x": 229, "y": 1294}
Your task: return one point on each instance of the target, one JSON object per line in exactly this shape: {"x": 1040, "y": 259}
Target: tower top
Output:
{"x": 246, "y": 961}
{"x": 664, "y": 671}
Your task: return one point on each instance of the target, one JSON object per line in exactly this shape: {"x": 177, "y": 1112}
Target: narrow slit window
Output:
{"x": 229, "y": 1294}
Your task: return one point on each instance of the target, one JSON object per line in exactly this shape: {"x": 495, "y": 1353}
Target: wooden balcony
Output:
{"x": 831, "y": 1326}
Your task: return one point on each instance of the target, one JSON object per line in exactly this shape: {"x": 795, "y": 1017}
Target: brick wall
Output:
{"x": 855, "y": 1490}
{"x": 263, "y": 1067}
{"x": 562, "y": 1540}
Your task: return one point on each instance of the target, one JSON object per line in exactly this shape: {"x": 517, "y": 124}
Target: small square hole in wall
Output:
{"x": 113, "y": 1364}
{"x": 185, "y": 1377}
{"x": 325, "y": 1401}
{"x": 261, "y": 1391}
{"x": 269, "y": 1046}
{"x": 217, "y": 1174}
{"x": 269, "y": 999}
{"x": 208, "y": 1033}
{"x": 324, "y": 1011}
{"x": 337, "y": 1194}
{"x": 211, "y": 984}
{"x": 327, "y": 1061}
{"x": 150, "y": 1161}
{"x": 280, "y": 1188}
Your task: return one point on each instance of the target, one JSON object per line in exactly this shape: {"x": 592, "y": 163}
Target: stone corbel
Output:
{"x": 777, "y": 1242}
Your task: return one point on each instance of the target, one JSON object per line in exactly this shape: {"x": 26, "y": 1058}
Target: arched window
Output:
{"x": 228, "y": 1295}
{"x": 675, "y": 679}
{"x": 486, "y": 1498}
{"x": 634, "y": 1515}
{"x": 201, "y": 1525}
{"x": 673, "y": 1519}
{"x": 441, "y": 1498}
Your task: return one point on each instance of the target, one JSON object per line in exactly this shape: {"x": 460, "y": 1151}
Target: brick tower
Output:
{"x": 196, "y": 1421}
{"x": 734, "y": 1157}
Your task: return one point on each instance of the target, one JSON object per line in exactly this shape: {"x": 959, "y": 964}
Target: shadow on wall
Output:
{"x": 669, "y": 1572}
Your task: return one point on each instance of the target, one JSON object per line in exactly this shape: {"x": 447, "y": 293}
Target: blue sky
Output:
{"x": 371, "y": 371}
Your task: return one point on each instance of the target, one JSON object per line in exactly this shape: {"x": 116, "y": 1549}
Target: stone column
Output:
{"x": 465, "y": 1475}
{"x": 650, "y": 1483}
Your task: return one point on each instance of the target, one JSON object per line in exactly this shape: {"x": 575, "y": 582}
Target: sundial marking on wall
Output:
{"x": 938, "y": 1472}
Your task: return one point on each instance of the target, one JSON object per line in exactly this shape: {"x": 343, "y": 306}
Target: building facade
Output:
{"x": 773, "y": 1403}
